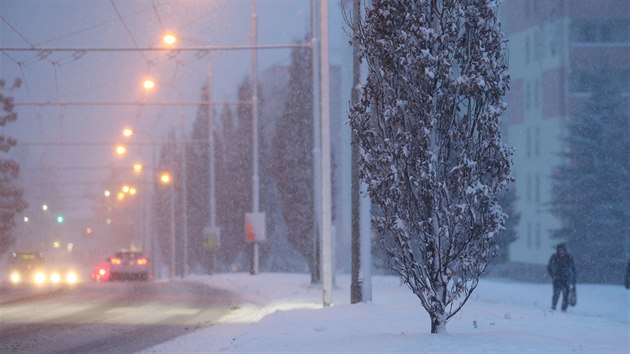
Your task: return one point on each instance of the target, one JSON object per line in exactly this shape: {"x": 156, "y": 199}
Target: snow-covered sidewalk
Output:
{"x": 282, "y": 313}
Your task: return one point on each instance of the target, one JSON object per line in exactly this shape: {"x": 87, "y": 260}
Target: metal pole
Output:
{"x": 255, "y": 179}
{"x": 356, "y": 294}
{"x": 171, "y": 272}
{"x": 211, "y": 153}
{"x": 326, "y": 182}
{"x": 184, "y": 190}
{"x": 317, "y": 162}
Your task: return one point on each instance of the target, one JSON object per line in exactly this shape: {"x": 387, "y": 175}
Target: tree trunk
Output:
{"x": 438, "y": 323}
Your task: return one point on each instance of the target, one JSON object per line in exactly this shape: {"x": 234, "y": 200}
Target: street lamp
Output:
{"x": 148, "y": 84}
{"x": 121, "y": 149}
{"x": 169, "y": 39}
{"x": 127, "y": 132}
{"x": 166, "y": 179}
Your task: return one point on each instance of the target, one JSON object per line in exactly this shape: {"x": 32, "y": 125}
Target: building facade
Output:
{"x": 554, "y": 48}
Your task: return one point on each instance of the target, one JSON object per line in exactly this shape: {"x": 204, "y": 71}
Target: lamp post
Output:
{"x": 167, "y": 180}
{"x": 255, "y": 177}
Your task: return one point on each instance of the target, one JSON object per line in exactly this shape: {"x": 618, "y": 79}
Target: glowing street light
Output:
{"x": 169, "y": 39}
{"x": 137, "y": 167}
{"x": 107, "y": 193}
{"x": 127, "y": 132}
{"x": 120, "y": 196}
{"x": 165, "y": 178}
{"x": 148, "y": 84}
{"x": 121, "y": 149}
{"x": 44, "y": 207}
{"x": 125, "y": 189}
{"x": 132, "y": 191}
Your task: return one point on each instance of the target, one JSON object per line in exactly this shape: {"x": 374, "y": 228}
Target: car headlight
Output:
{"x": 71, "y": 277}
{"x": 15, "y": 277}
{"x": 40, "y": 278}
{"x": 55, "y": 278}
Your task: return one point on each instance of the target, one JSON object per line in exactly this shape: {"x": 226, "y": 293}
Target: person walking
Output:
{"x": 561, "y": 268}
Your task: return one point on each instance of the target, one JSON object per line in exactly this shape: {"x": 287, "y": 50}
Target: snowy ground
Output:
{"x": 281, "y": 313}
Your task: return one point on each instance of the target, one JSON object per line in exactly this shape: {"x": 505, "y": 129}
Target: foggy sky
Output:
{"x": 68, "y": 150}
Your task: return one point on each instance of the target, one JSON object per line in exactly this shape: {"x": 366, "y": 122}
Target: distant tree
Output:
{"x": 164, "y": 200}
{"x": 11, "y": 196}
{"x": 591, "y": 190}
{"x": 233, "y": 187}
{"x": 198, "y": 191}
{"x": 236, "y": 186}
{"x": 431, "y": 150}
{"x": 293, "y": 161}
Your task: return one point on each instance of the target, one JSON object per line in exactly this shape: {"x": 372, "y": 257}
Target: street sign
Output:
{"x": 255, "y": 227}
{"x": 212, "y": 237}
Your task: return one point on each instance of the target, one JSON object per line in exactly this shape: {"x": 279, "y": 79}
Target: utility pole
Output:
{"x": 327, "y": 268}
{"x": 184, "y": 199}
{"x": 255, "y": 178}
{"x": 317, "y": 161}
{"x": 211, "y": 167}
{"x": 356, "y": 293}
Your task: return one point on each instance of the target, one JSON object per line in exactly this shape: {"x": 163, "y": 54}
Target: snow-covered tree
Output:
{"x": 11, "y": 201}
{"x": 507, "y": 201}
{"x": 293, "y": 165}
{"x": 591, "y": 193}
{"x": 431, "y": 150}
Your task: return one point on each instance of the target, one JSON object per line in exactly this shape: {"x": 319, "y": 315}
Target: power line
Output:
{"x": 131, "y": 103}
{"x": 157, "y": 15}
{"x": 105, "y": 143}
{"x": 16, "y": 31}
{"x": 133, "y": 39}
{"x": 155, "y": 49}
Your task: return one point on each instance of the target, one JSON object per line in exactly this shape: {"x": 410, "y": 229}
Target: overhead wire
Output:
{"x": 133, "y": 39}
{"x": 16, "y": 31}
{"x": 155, "y": 10}
{"x": 20, "y": 64}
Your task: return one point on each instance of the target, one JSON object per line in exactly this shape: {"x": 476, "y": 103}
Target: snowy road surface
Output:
{"x": 108, "y": 317}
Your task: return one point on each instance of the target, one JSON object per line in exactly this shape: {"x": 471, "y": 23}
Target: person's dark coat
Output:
{"x": 561, "y": 267}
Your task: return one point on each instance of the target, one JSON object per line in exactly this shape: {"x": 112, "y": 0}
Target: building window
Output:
{"x": 529, "y": 188}
{"x": 537, "y": 141}
{"x": 529, "y": 235}
{"x": 527, "y": 50}
{"x": 537, "y": 190}
{"x": 599, "y": 31}
{"x": 581, "y": 81}
{"x": 536, "y": 94}
{"x": 538, "y": 235}
{"x": 528, "y": 142}
{"x": 528, "y": 97}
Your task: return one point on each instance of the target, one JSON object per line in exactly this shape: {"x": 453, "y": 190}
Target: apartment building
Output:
{"x": 554, "y": 48}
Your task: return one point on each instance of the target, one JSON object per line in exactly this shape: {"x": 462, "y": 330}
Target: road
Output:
{"x": 117, "y": 317}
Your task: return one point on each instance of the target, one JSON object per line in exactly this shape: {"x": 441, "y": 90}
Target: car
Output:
{"x": 27, "y": 268}
{"x": 128, "y": 265}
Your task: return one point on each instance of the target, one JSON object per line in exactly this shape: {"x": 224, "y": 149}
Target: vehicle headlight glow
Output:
{"x": 40, "y": 278}
{"x": 55, "y": 277}
{"x": 71, "y": 277}
{"x": 15, "y": 277}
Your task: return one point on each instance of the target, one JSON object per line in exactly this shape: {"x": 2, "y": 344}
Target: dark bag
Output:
{"x": 572, "y": 296}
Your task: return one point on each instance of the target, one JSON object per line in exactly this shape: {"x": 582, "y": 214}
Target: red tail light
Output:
{"x": 116, "y": 261}
{"x": 142, "y": 261}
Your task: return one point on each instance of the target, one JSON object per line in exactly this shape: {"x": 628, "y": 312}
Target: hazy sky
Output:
{"x": 68, "y": 150}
